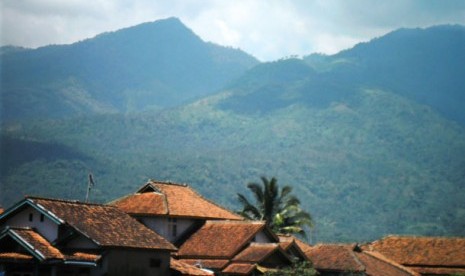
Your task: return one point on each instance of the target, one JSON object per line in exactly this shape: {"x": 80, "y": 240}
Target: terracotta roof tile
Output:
{"x": 82, "y": 256}
{"x": 422, "y": 251}
{"x": 220, "y": 239}
{"x": 289, "y": 242}
{"x": 378, "y": 265}
{"x": 216, "y": 264}
{"x": 257, "y": 252}
{"x": 187, "y": 269}
{"x": 239, "y": 269}
{"x": 105, "y": 225}
{"x": 37, "y": 243}
{"x": 439, "y": 270}
{"x": 13, "y": 256}
{"x": 161, "y": 198}
{"x": 336, "y": 257}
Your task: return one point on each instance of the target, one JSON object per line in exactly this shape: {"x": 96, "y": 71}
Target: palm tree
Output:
{"x": 279, "y": 209}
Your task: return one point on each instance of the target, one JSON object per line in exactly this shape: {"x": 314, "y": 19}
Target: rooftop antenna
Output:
{"x": 90, "y": 185}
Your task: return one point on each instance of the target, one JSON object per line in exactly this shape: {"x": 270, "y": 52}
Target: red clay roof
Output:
{"x": 335, "y": 257}
{"x": 216, "y": 264}
{"x": 186, "y": 269}
{"x": 257, "y": 252}
{"x": 439, "y": 270}
{"x": 37, "y": 243}
{"x": 162, "y": 198}
{"x": 106, "y": 225}
{"x": 350, "y": 258}
{"x": 422, "y": 251}
{"x": 239, "y": 269}
{"x": 220, "y": 239}
{"x": 378, "y": 265}
{"x": 289, "y": 242}
{"x": 13, "y": 256}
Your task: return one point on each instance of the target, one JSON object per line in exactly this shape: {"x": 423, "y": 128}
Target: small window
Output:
{"x": 155, "y": 262}
{"x": 42, "y": 217}
{"x": 31, "y": 216}
{"x": 172, "y": 226}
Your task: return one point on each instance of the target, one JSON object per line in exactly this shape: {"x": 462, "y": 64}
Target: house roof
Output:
{"x": 257, "y": 252}
{"x": 289, "y": 242}
{"x": 220, "y": 239}
{"x": 107, "y": 226}
{"x": 157, "y": 198}
{"x": 350, "y": 257}
{"x": 216, "y": 264}
{"x": 336, "y": 257}
{"x": 422, "y": 251}
{"x": 186, "y": 269}
{"x": 39, "y": 248}
{"x": 239, "y": 269}
{"x": 37, "y": 245}
{"x": 378, "y": 265}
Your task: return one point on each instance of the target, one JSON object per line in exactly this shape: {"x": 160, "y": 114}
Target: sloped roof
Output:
{"x": 40, "y": 248}
{"x": 289, "y": 242}
{"x": 335, "y": 257}
{"x": 165, "y": 198}
{"x": 422, "y": 251}
{"x": 187, "y": 269}
{"x": 107, "y": 226}
{"x": 220, "y": 239}
{"x": 239, "y": 269}
{"x": 33, "y": 242}
{"x": 216, "y": 264}
{"x": 257, "y": 252}
{"x": 378, "y": 265}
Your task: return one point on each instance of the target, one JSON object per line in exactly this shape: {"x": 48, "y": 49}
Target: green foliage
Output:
{"x": 279, "y": 209}
{"x": 299, "y": 268}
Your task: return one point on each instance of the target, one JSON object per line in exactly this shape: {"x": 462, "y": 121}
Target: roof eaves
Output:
{"x": 29, "y": 247}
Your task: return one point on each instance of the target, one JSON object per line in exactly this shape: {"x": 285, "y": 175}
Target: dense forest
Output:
{"x": 371, "y": 139}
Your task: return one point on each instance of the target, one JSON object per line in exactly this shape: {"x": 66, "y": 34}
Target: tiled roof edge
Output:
{"x": 385, "y": 259}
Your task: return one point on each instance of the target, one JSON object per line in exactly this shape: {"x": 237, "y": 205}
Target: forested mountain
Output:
{"x": 147, "y": 67}
{"x": 359, "y": 135}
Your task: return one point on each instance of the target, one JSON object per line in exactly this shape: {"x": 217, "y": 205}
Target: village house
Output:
{"x": 425, "y": 255}
{"x": 174, "y": 211}
{"x": 42, "y": 236}
{"x": 350, "y": 259}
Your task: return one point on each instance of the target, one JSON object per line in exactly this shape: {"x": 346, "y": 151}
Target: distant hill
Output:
{"x": 147, "y": 67}
{"x": 357, "y": 134}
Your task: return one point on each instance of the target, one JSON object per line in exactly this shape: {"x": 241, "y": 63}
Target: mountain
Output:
{"x": 366, "y": 155}
{"x": 147, "y": 67}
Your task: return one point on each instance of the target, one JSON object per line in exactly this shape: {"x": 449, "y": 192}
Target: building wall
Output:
{"x": 132, "y": 262}
{"x": 164, "y": 227}
{"x": 261, "y": 237}
{"x": 46, "y": 228}
{"x": 81, "y": 242}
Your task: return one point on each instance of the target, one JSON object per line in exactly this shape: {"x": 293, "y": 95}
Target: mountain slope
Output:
{"x": 149, "y": 66}
{"x": 365, "y": 155}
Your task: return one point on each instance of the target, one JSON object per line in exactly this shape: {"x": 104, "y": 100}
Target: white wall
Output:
{"x": 46, "y": 228}
{"x": 161, "y": 226}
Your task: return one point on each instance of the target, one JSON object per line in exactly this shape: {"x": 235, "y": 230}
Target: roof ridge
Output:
{"x": 381, "y": 257}
{"x": 75, "y": 201}
{"x": 229, "y": 221}
{"x": 185, "y": 185}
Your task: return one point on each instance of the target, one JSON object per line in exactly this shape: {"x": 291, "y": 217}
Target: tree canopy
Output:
{"x": 279, "y": 208}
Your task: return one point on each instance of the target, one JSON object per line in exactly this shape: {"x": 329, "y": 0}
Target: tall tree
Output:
{"x": 280, "y": 209}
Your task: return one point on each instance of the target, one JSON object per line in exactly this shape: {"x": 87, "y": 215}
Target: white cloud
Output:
{"x": 268, "y": 29}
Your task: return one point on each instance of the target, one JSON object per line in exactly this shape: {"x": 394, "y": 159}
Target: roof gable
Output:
{"x": 166, "y": 198}
{"x": 260, "y": 252}
{"x": 422, "y": 251}
{"x": 33, "y": 242}
{"x": 106, "y": 226}
{"x": 220, "y": 239}
{"x": 335, "y": 257}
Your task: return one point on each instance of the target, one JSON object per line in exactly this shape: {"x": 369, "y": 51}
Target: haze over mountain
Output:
{"x": 372, "y": 139}
{"x": 147, "y": 67}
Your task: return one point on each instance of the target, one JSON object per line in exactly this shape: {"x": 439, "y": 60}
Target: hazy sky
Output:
{"x": 267, "y": 29}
